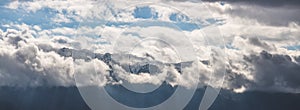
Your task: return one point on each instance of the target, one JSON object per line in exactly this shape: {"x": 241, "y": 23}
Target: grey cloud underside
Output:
{"x": 270, "y": 12}
{"x": 272, "y": 72}
{"x": 277, "y": 16}
{"x": 257, "y": 42}
{"x": 255, "y": 2}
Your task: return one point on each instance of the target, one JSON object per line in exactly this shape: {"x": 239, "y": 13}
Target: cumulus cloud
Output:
{"x": 23, "y": 63}
{"x": 28, "y": 61}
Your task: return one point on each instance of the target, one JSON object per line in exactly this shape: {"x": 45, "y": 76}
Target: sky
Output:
{"x": 247, "y": 45}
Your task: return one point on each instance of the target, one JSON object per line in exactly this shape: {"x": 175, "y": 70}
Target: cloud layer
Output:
{"x": 262, "y": 45}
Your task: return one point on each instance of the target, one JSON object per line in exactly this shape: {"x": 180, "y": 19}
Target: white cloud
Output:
{"x": 13, "y": 5}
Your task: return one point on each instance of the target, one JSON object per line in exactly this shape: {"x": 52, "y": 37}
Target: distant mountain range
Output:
{"x": 68, "y": 98}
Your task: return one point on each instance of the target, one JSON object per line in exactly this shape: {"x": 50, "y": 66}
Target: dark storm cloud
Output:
{"x": 277, "y": 16}
{"x": 255, "y": 2}
{"x": 264, "y": 2}
{"x": 271, "y": 72}
{"x": 257, "y": 42}
{"x": 273, "y": 69}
